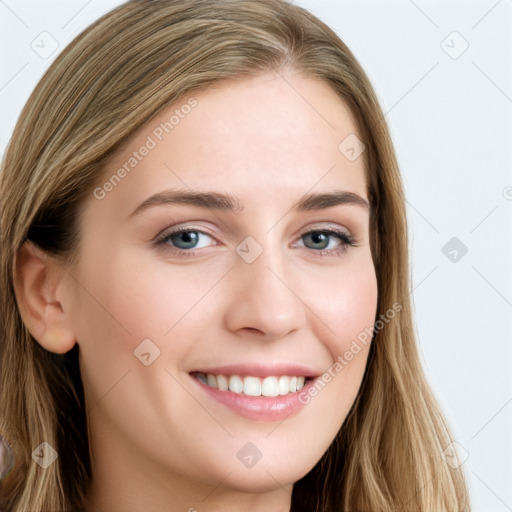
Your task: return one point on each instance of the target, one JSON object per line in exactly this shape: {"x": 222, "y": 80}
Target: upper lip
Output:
{"x": 255, "y": 370}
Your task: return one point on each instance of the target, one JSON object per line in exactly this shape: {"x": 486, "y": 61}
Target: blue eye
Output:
{"x": 184, "y": 238}
{"x": 323, "y": 236}
{"x": 184, "y": 241}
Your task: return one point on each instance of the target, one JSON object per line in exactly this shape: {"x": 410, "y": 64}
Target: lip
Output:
{"x": 257, "y": 408}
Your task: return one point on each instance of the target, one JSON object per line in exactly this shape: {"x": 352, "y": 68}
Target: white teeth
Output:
{"x": 283, "y": 385}
{"x": 254, "y": 386}
{"x": 269, "y": 387}
{"x": 222, "y": 383}
{"x": 235, "y": 384}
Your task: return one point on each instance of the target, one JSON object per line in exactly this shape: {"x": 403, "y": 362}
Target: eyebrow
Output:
{"x": 229, "y": 203}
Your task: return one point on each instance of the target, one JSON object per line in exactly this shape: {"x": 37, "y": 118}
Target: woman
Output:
{"x": 205, "y": 284}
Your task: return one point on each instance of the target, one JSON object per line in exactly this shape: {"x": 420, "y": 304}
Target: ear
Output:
{"x": 39, "y": 281}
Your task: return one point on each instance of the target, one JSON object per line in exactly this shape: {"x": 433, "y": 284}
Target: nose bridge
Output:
{"x": 265, "y": 298}
{"x": 264, "y": 271}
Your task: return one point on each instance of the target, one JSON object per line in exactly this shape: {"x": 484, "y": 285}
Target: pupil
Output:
{"x": 318, "y": 238}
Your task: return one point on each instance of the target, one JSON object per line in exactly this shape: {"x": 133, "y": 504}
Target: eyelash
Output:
{"x": 346, "y": 240}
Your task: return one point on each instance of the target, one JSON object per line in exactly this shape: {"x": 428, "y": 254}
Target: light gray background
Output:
{"x": 450, "y": 112}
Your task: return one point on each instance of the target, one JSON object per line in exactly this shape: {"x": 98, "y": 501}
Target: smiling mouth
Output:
{"x": 270, "y": 386}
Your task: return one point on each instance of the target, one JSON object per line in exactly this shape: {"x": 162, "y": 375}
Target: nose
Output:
{"x": 264, "y": 298}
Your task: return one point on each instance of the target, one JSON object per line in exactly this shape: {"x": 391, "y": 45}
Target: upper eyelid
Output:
{"x": 189, "y": 227}
{"x": 165, "y": 233}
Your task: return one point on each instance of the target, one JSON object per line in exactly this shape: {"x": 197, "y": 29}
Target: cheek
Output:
{"x": 346, "y": 311}
{"x": 347, "y": 304}
{"x": 120, "y": 306}
{"x": 138, "y": 297}
{"x": 126, "y": 300}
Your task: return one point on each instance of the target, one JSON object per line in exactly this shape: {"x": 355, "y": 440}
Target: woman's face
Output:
{"x": 244, "y": 298}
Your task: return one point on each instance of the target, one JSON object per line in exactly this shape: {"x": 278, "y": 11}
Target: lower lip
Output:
{"x": 258, "y": 408}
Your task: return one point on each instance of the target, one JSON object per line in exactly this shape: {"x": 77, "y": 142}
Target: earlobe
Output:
{"x": 37, "y": 277}
{"x": 57, "y": 339}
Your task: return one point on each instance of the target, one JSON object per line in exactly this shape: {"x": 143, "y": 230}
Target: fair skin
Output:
{"x": 160, "y": 440}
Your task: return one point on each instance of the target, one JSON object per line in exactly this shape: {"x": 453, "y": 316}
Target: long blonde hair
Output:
{"x": 113, "y": 78}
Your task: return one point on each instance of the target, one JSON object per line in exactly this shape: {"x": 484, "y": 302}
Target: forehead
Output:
{"x": 268, "y": 138}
